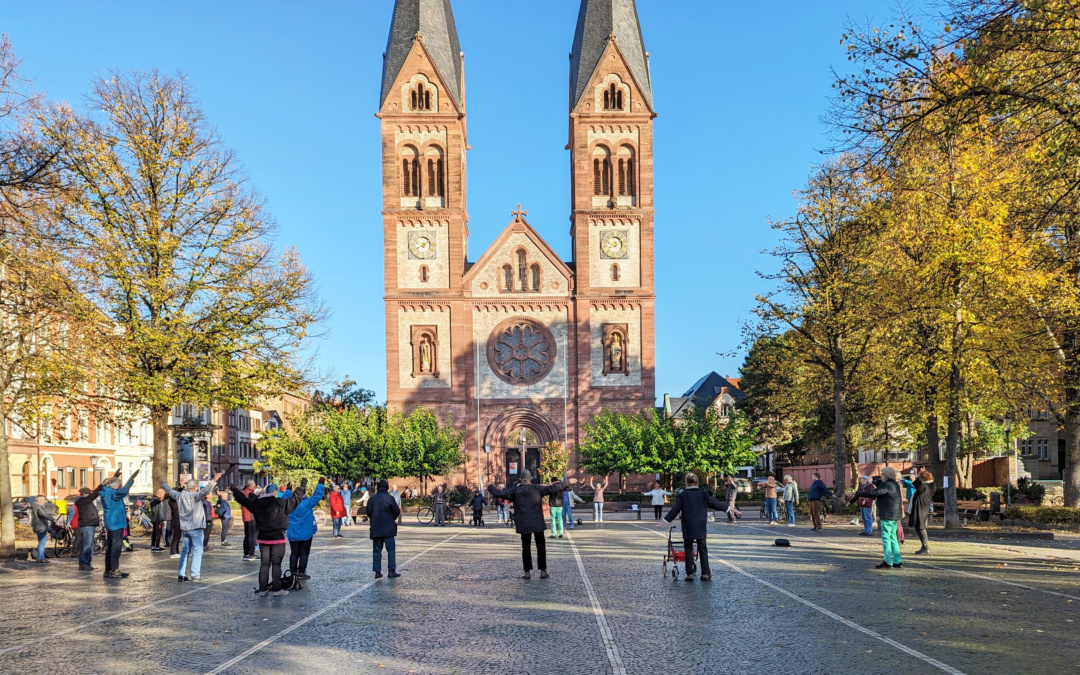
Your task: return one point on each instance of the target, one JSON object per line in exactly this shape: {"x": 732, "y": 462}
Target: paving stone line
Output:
{"x": 936, "y": 567}
{"x": 836, "y": 617}
{"x": 133, "y": 610}
{"x": 610, "y": 647}
{"x": 282, "y": 633}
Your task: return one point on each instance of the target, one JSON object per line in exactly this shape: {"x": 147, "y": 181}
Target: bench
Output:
{"x": 967, "y": 508}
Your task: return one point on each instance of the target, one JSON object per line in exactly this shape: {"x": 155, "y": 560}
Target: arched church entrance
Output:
{"x": 517, "y": 438}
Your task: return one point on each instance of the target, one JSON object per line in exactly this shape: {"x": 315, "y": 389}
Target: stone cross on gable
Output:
{"x": 519, "y": 214}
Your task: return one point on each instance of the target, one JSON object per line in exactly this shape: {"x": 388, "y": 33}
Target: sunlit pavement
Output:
{"x": 817, "y": 607}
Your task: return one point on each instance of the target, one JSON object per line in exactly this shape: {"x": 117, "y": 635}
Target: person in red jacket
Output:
{"x": 337, "y": 510}
{"x": 250, "y": 530}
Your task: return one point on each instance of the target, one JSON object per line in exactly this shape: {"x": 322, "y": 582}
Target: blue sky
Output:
{"x": 740, "y": 88}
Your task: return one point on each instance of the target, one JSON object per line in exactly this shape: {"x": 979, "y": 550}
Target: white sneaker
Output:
{"x": 791, "y": 524}
{"x": 175, "y": 555}
{"x": 281, "y": 592}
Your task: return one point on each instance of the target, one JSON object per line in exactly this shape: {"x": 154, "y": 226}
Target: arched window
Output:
{"x": 601, "y": 171}
{"x": 508, "y": 278}
{"x": 618, "y": 100}
{"x": 435, "y": 183}
{"x": 420, "y": 98}
{"x": 607, "y": 100}
{"x": 535, "y": 277}
{"x": 523, "y": 276}
{"x": 613, "y": 97}
{"x": 615, "y": 272}
{"x": 625, "y": 167}
{"x": 410, "y": 172}
{"x": 423, "y": 273}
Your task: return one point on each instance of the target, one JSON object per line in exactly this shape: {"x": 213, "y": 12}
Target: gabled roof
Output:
{"x": 597, "y": 21}
{"x": 709, "y": 387}
{"x": 518, "y": 224}
{"x": 434, "y": 20}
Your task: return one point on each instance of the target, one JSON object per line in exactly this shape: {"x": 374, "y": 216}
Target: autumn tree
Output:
{"x": 821, "y": 303}
{"x": 46, "y": 329}
{"x": 178, "y": 252}
{"x": 1007, "y": 68}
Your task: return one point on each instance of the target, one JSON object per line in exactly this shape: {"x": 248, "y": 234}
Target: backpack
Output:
{"x": 74, "y": 520}
{"x": 289, "y": 582}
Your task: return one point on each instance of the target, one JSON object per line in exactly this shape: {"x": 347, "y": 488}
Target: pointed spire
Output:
{"x": 598, "y": 22}
{"x": 431, "y": 22}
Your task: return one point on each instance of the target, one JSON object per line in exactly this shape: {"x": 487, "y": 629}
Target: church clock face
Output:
{"x": 614, "y": 244}
{"x": 422, "y": 246}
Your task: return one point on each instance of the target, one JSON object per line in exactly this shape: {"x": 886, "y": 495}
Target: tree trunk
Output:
{"x": 1072, "y": 420}
{"x": 1072, "y": 450}
{"x": 159, "y": 418}
{"x": 840, "y": 424}
{"x": 7, "y": 516}
{"x": 967, "y": 466}
{"x": 952, "y": 441}
{"x": 933, "y": 444}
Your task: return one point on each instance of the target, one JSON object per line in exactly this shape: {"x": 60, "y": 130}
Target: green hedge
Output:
{"x": 1048, "y": 515}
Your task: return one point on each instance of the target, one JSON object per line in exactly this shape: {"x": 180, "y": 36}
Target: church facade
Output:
{"x": 518, "y": 348}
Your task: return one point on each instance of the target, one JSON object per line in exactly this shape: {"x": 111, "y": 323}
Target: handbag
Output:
{"x": 899, "y": 532}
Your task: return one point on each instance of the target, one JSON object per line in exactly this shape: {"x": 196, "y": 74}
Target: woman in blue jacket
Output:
{"x": 302, "y": 528}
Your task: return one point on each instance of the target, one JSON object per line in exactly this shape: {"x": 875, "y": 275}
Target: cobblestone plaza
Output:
{"x": 817, "y": 607}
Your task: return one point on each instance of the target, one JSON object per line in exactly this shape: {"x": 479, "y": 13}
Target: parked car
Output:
{"x": 20, "y": 507}
{"x": 743, "y": 485}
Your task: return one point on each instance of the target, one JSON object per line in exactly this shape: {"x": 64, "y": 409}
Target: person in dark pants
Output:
{"x": 920, "y": 507}
{"x": 272, "y": 520}
{"x": 112, "y": 498}
{"x": 175, "y": 536}
{"x": 818, "y": 491}
{"x": 302, "y": 528}
{"x": 732, "y": 494}
{"x": 438, "y": 500}
{"x": 527, "y": 500}
{"x": 382, "y": 512}
{"x": 87, "y": 519}
{"x": 208, "y": 511}
{"x": 693, "y": 505}
{"x": 250, "y": 531}
{"x": 159, "y": 511}
{"x": 224, "y": 513}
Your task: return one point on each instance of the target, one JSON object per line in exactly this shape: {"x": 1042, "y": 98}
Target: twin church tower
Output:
{"x": 518, "y": 348}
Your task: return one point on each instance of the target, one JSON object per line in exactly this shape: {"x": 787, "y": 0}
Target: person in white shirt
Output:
{"x": 657, "y": 494}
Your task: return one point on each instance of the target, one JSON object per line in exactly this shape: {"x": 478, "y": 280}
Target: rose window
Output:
{"x": 521, "y": 351}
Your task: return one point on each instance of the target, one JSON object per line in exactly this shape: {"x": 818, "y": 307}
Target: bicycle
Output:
{"x": 65, "y": 543}
{"x": 139, "y": 524}
{"x": 426, "y": 515}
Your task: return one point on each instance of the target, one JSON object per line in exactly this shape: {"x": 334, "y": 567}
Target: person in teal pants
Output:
{"x": 890, "y": 504}
{"x": 555, "y": 501}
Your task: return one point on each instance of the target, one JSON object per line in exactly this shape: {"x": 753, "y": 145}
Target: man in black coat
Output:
{"x": 382, "y": 513}
{"x": 272, "y": 520}
{"x": 890, "y": 508}
{"x": 693, "y": 504}
{"x": 529, "y": 518}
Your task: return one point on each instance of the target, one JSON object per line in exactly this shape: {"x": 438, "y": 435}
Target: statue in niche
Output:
{"x": 615, "y": 351}
{"x": 425, "y": 355}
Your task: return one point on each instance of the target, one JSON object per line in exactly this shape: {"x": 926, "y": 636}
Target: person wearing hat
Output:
{"x": 382, "y": 512}
{"x": 527, "y": 500}
{"x": 272, "y": 522}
